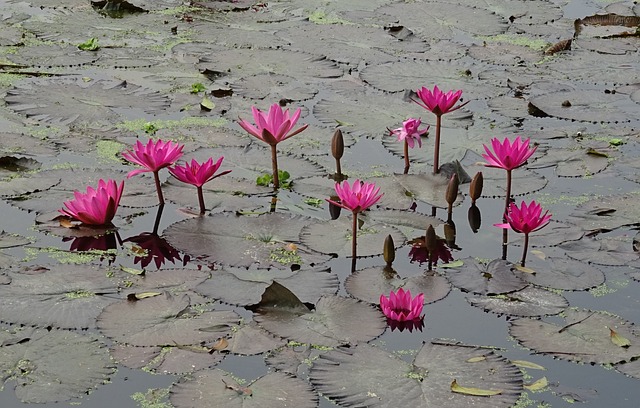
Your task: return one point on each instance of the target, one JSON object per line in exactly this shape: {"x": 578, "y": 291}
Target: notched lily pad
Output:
{"x": 613, "y": 251}
{"x": 384, "y": 380}
{"x": 51, "y": 366}
{"x": 334, "y": 321}
{"x": 428, "y": 188}
{"x": 563, "y": 273}
{"x": 583, "y": 337}
{"x": 273, "y": 390}
{"x": 245, "y": 240}
{"x": 492, "y": 278}
{"x": 527, "y": 302}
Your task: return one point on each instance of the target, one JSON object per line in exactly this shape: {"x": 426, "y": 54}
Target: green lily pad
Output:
{"x": 166, "y": 360}
{"x": 527, "y": 302}
{"x": 492, "y": 278}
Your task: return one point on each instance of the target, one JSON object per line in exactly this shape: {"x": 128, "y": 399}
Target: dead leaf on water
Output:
{"x": 139, "y": 296}
{"x": 476, "y": 359}
{"x": 219, "y": 345}
{"x": 618, "y": 340}
{"x": 524, "y": 269}
{"x": 473, "y": 391}
{"x": 527, "y": 364}
{"x": 537, "y": 385}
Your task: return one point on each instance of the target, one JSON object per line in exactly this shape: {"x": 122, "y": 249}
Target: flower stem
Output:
{"x": 156, "y": 223}
{"x": 436, "y": 152}
{"x": 524, "y": 250}
{"x": 338, "y": 168}
{"x": 406, "y": 157}
{"x": 505, "y": 232}
{"x": 158, "y": 189}
{"x": 274, "y": 165}
{"x": 201, "y": 200}
{"x": 354, "y": 241}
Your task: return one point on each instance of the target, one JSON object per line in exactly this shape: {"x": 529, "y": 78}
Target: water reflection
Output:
{"x": 152, "y": 247}
{"x": 420, "y": 253}
{"x": 475, "y": 219}
{"x": 106, "y": 243}
{"x": 409, "y": 325}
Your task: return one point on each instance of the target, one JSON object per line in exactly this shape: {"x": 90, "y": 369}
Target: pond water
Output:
{"x": 584, "y": 173}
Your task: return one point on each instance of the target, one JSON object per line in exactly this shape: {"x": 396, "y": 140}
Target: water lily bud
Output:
{"x": 452, "y": 189}
{"x": 450, "y": 234}
{"x": 389, "y": 250}
{"x": 334, "y": 210}
{"x": 475, "y": 188}
{"x": 474, "y": 218}
{"x": 431, "y": 240}
{"x": 337, "y": 145}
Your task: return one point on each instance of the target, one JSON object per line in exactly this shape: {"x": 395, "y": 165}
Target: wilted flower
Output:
{"x": 357, "y": 197}
{"x": 410, "y": 133}
{"x": 96, "y": 206}
{"x": 272, "y": 128}
{"x": 197, "y": 174}
{"x": 525, "y": 219}
{"x": 401, "y": 307}
{"x": 420, "y": 253}
{"x": 507, "y": 155}
{"x": 439, "y": 102}
{"x": 153, "y": 157}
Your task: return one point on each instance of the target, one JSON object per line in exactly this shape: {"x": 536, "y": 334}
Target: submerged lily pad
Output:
{"x": 527, "y": 302}
{"x": 273, "y": 390}
{"x": 244, "y": 240}
{"x": 51, "y": 366}
{"x": 585, "y": 336}
{"x": 161, "y": 320}
{"x": 245, "y": 286}
{"x": 67, "y": 296}
{"x": 492, "y": 278}
{"x": 384, "y": 380}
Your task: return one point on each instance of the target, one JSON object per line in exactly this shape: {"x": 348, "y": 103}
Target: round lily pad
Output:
{"x": 527, "y": 302}
{"x": 492, "y": 278}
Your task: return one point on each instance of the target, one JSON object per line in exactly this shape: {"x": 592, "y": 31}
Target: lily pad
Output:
{"x": 274, "y": 87}
{"x": 67, "y": 296}
{"x": 335, "y": 321}
{"x": 53, "y": 365}
{"x": 563, "y": 273}
{"x": 245, "y": 286}
{"x": 72, "y": 100}
{"x": 12, "y": 240}
{"x": 273, "y": 390}
{"x": 585, "y": 337}
{"x": 493, "y": 278}
{"x": 607, "y": 213}
{"x": 250, "y": 339}
{"x": 244, "y": 240}
{"x": 428, "y": 188}
{"x": 385, "y": 380}
{"x": 335, "y": 237}
{"x": 576, "y": 161}
{"x": 611, "y": 251}
{"x": 527, "y": 302}
{"x": 163, "y": 320}
{"x": 369, "y": 283}
{"x": 166, "y": 360}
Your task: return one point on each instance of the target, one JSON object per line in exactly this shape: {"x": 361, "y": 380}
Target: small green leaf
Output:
{"x": 616, "y": 142}
{"x": 206, "y": 104}
{"x": 90, "y": 45}
{"x": 314, "y": 202}
{"x": 453, "y": 264}
{"x": 595, "y": 152}
{"x": 197, "y": 88}
{"x": 473, "y": 391}
{"x": 264, "y": 180}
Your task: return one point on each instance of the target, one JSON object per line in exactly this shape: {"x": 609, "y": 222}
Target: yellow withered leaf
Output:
{"x": 455, "y": 387}
{"x": 537, "y": 385}
{"x": 527, "y": 364}
{"x": 539, "y": 254}
{"x": 221, "y": 344}
{"x": 138, "y": 296}
{"x": 525, "y": 269}
{"x": 618, "y": 340}
{"x": 132, "y": 271}
{"x": 476, "y": 359}
{"x": 66, "y": 223}
{"x": 453, "y": 264}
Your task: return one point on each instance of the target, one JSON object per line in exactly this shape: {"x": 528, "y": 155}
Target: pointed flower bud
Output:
{"x": 452, "y": 189}
{"x": 431, "y": 240}
{"x": 389, "y": 250}
{"x": 475, "y": 188}
{"x": 337, "y": 145}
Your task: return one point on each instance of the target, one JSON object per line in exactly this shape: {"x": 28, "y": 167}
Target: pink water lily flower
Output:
{"x": 401, "y": 307}
{"x": 525, "y": 219}
{"x": 272, "y": 127}
{"x": 439, "y": 102}
{"x": 507, "y": 155}
{"x": 357, "y": 197}
{"x": 198, "y": 174}
{"x": 410, "y": 133}
{"x": 153, "y": 156}
{"x": 96, "y": 206}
